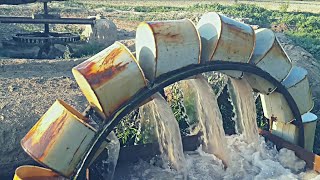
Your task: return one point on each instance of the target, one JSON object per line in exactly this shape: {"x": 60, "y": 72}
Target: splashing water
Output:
{"x": 261, "y": 161}
{"x": 245, "y": 109}
{"x": 165, "y": 128}
{"x": 209, "y": 119}
{"x": 249, "y": 156}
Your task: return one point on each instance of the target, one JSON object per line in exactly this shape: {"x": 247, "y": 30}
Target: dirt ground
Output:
{"x": 29, "y": 87}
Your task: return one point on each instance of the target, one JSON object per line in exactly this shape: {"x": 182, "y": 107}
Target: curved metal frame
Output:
{"x": 172, "y": 77}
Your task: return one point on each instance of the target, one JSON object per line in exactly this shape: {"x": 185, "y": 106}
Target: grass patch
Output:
{"x": 302, "y": 27}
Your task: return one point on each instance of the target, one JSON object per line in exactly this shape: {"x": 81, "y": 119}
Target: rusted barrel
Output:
{"x": 225, "y": 39}
{"x": 274, "y": 105}
{"x": 290, "y": 132}
{"x": 109, "y": 78}
{"x": 35, "y": 173}
{"x": 164, "y": 46}
{"x": 59, "y": 139}
{"x": 270, "y": 57}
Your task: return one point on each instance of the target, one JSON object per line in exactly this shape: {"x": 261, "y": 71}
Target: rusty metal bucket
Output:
{"x": 164, "y": 46}
{"x": 35, "y": 173}
{"x": 290, "y": 132}
{"x": 225, "y": 39}
{"x": 275, "y": 105}
{"x": 109, "y": 78}
{"x": 270, "y": 57}
{"x": 60, "y": 138}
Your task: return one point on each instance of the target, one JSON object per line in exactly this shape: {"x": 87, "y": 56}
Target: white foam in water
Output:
{"x": 247, "y": 162}
{"x": 249, "y": 157}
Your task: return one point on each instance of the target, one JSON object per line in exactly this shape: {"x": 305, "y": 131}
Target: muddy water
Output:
{"x": 245, "y": 109}
{"x": 249, "y": 157}
{"x": 261, "y": 161}
{"x": 209, "y": 119}
{"x": 163, "y": 127}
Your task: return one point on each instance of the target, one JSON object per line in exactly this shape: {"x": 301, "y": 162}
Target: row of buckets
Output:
{"x": 109, "y": 79}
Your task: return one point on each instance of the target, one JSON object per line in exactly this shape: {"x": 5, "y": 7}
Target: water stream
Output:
{"x": 159, "y": 124}
{"x": 245, "y": 109}
{"x": 209, "y": 119}
{"x": 246, "y": 154}
{"x": 261, "y": 161}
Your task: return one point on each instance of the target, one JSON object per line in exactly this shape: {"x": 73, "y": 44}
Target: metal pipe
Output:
{"x": 46, "y": 26}
{"x": 30, "y": 20}
{"x": 174, "y": 76}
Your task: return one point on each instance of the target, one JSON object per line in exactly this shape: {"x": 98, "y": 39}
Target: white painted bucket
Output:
{"x": 164, "y": 46}
{"x": 225, "y": 39}
{"x": 275, "y": 105}
{"x": 110, "y": 78}
{"x": 270, "y": 57}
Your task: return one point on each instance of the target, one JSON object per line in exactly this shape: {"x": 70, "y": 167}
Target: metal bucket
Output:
{"x": 35, "y": 173}
{"x": 275, "y": 105}
{"x": 270, "y": 57}
{"x": 164, "y": 46}
{"x": 60, "y": 139}
{"x": 225, "y": 39}
{"x": 109, "y": 78}
{"x": 290, "y": 132}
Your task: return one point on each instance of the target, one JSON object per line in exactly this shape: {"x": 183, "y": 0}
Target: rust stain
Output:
{"x": 172, "y": 38}
{"x": 157, "y": 24}
{"x": 40, "y": 146}
{"x": 115, "y": 106}
{"x": 97, "y": 73}
{"x": 162, "y": 32}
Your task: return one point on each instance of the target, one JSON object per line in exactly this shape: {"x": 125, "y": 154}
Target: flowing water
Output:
{"x": 245, "y": 109}
{"x": 161, "y": 125}
{"x": 260, "y": 161}
{"x": 209, "y": 119}
{"x": 247, "y": 155}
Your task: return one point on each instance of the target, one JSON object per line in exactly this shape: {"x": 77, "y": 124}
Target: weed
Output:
{"x": 284, "y": 7}
{"x": 67, "y": 54}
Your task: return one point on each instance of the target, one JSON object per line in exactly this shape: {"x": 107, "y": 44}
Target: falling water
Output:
{"x": 245, "y": 109}
{"x": 209, "y": 119}
{"x": 165, "y": 129}
{"x": 246, "y": 160}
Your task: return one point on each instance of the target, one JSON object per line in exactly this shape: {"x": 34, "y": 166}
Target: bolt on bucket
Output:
{"x": 270, "y": 57}
{"x": 59, "y": 140}
{"x": 164, "y": 46}
{"x": 110, "y": 78}
{"x": 35, "y": 173}
{"x": 290, "y": 132}
{"x": 274, "y": 105}
{"x": 225, "y": 39}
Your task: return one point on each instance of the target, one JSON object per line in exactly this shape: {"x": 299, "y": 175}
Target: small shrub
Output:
{"x": 67, "y": 54}
{"x": 88, "y": 49}
{"x": 284, "y": 7}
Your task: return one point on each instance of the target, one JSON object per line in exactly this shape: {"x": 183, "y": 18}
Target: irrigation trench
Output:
{"x": 178, "y": 53}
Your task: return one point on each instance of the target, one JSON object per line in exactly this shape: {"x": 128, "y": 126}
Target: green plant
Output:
{"x": 227, "y": 113}
{"x": 175, "y": 99}
{"x": 284, "y": 7}
{"x": 88, "y": 49}
{"x": 128, "y": 129}
{"x": 67, "y": 54}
